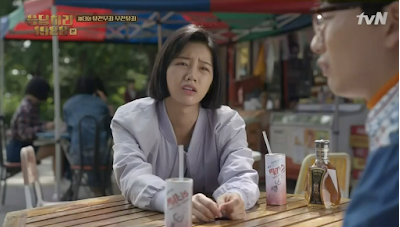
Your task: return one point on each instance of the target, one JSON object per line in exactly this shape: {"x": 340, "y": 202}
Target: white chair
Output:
{"x": 341, "y": 161}
{"x": 31, "y": 176}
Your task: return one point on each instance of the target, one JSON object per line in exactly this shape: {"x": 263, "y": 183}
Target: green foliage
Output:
{"x": 113, "y": 63}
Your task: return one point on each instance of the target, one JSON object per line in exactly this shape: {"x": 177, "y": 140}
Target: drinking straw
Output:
{"x": 266, "y": 142}
{"x": 181, "y": 161}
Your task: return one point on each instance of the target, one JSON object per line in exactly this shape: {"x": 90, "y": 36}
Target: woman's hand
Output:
{"x": 204, "y": 209}
{"x": 232, "y": 206}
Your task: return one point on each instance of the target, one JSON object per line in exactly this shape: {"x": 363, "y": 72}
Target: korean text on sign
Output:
{"x": 106, "y": 18}
{"x": 51, "y": 25}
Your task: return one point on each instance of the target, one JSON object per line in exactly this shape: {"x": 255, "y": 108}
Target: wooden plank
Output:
{"x": 132, "y": 213}
{"x": 116, "y": 219}
{"x": 74, "y": 205}
{"x": 115, "y": 210}
{"x": 76, "y": 211}
{"x": 272, "y": 214}
{"x": 15, "y": 219}
{"x": 153, "y": 220}
{"x": 156, "y": 223}
{"x": 334, "y": 224}
{"x": 262, "y": 211}
{"x": 82, "y": 215}
{"x": 312, "y": 214}
{"x": 141, "y": 221}
{"x": 327, "y": 219}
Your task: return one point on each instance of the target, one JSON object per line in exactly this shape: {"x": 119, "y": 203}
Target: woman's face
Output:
{"x": 190, "y": 74}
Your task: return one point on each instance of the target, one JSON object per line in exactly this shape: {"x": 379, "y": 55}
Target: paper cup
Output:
{"x": 275, "y": 179}
{"x": 178, "y": 204}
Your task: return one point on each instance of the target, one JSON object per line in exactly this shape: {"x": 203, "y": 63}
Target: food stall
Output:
{"x": 294, "y": 133}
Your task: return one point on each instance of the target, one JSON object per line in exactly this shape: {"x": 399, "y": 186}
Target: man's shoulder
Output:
{"x": 383, "y": 121}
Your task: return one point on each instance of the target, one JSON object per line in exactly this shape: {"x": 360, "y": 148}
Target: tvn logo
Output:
{"x": 379, "y": 18}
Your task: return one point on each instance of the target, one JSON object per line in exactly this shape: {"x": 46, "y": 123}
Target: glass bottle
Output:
{"x": 322, "y": 186}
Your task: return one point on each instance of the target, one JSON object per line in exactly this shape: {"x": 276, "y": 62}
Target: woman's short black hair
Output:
{"x": 38, "y": 87}
{"x": 85, "y": 85}
{"x": 172, "y": 47}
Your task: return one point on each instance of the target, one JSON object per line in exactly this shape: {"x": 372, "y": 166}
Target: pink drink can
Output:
{"x": 178, "y": 204}
{"x": 275, "y": 179}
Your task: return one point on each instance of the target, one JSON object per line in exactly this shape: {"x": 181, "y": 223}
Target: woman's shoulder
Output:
{"x": 139, "y": 118}
{"x": 144, "y": 107}
{"x": 225, "y": 116}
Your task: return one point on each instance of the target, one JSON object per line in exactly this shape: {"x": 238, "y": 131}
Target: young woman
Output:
{"x": 184, "y": 108}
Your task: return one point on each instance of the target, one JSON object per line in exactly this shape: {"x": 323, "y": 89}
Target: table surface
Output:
{"x": 115, "y": 211}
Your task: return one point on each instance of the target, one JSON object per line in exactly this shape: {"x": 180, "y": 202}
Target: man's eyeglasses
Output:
{"x": 318, "y": 18}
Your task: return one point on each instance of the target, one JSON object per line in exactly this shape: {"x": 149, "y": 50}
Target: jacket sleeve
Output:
{"x": 375, "y": 201}
{"x": 237, "y": 173}
{"x": 132, "y": 171}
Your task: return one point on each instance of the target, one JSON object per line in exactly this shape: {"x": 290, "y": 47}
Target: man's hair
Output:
{"x": 38, "y": 87}
{"x": 172, "y": 47}
{"x": 85, "y": 85}
{"x": 131, "y": 81}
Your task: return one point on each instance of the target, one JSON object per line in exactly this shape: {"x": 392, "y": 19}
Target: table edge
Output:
{"x": 22, "y": 213}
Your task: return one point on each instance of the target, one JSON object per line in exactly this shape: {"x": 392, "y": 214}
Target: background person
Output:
{"x": 26, "y": 122}
{"x": 130, "y": 92}
{"x": 86, "y": 102}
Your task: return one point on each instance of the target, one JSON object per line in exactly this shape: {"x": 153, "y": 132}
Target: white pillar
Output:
{"x": 57, "y": 108}
{"x": 2, "y": 87}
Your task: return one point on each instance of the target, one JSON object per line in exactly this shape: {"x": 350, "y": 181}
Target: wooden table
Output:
{"x": 115, "y": 211}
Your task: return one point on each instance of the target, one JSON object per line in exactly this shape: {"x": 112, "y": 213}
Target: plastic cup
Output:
{"x": 275, "y": 179}
{"x": 178, "y": 204}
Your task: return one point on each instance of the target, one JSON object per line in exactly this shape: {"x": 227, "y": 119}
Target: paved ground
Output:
{"x": 15, "y": 197}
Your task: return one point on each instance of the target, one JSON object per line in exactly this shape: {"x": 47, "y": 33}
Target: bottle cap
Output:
{"x": 322, "y": 149}
{"x": 322, "y": 144}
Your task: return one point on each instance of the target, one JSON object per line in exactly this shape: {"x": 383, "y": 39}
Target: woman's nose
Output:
{"x": 191, "y": 74}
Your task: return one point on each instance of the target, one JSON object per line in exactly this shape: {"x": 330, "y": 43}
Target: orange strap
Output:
{"x": 382, "y": 92}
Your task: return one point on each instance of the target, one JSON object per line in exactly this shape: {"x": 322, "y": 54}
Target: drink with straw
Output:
{"x": 275, "y": 176}
{"x": 178, "y": 204}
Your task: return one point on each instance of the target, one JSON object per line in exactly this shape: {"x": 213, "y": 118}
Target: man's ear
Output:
{"x": 392, "y": 25}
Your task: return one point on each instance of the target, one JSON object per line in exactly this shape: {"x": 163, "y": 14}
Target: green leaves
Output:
{"x": 113, "y": 63}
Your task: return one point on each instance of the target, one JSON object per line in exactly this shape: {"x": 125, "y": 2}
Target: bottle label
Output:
{"x": 317, "y": 176}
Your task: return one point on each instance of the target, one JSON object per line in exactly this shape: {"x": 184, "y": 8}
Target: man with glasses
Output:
{"x": 362, "y": 61}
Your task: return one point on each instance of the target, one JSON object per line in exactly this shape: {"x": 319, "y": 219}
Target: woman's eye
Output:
{"x": 181, "y": 63}
{"x": 205, "y": 68}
